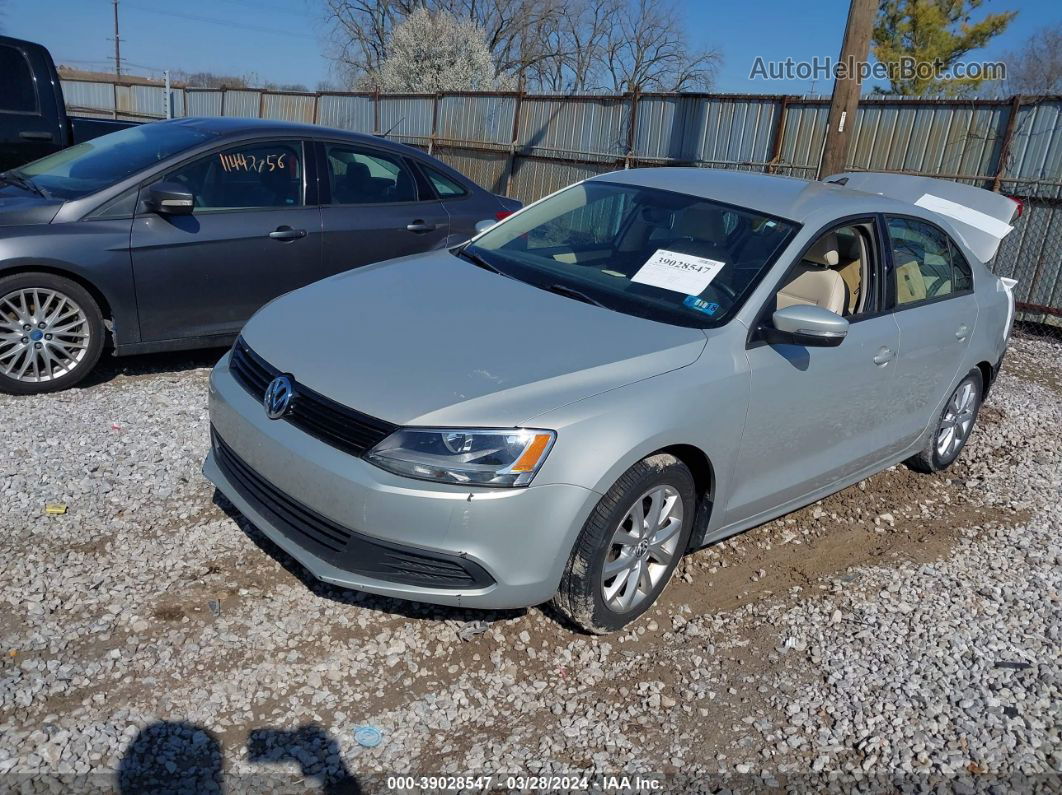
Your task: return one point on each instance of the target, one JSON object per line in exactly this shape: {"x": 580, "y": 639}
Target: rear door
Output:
{"x": 930, "y": 287}
{"x": 255, "y": 233}
{"x": 373, "y": 207}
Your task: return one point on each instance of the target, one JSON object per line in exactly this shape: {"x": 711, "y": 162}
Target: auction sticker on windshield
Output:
{"x": 680, "y": 273}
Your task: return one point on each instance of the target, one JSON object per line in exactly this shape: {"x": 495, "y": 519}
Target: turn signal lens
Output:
{"x": 501, "y": 215}
{"x": 533, "y": 453}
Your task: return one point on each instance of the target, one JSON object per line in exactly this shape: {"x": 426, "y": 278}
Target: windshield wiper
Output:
{"x": 477, "y": 260}
{"x": 570, "y": 292}
{"x": 12, "y": 178}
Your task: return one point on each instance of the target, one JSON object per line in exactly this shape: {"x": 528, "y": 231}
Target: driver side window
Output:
{"x": 252, "y": 175}
{"x": 837, "y": 273}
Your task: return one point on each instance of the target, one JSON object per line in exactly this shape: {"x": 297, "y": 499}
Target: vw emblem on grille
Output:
{"x": 278, "y": 397}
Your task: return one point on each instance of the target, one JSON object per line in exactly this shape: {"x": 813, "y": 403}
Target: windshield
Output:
{"x": 666, "y": 256}
{"x": 101, "y": 162}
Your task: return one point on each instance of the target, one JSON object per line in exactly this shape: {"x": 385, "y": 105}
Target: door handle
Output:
{"x": 287, "y": 233}
{"x": 420, "y": 227}
{"x": 884, "y": 356}
{"x": 35, "y": 135}
{"x": 961, "y": 332}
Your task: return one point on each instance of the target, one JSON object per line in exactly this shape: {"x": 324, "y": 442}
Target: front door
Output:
{"x": 820, "y": 414}
{"x": 250, "y": 238}
{"x": 375, "y": 209}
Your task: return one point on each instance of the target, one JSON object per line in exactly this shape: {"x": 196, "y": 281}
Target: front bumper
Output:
{"x": 354, "y": 525}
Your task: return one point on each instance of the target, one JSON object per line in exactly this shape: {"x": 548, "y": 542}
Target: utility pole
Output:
{"x": 854, "y": 51}
{"x": 117, "y": 44}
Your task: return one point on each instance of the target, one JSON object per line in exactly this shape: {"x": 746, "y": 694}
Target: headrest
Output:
{"x": 848, "y": 245}
{"x": 358, "y": 171}
{"x": 700, "y": 222}
{"x": 824, "y": 251}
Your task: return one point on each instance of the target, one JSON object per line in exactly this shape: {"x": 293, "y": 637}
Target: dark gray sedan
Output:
{"x": 170, "y": 235}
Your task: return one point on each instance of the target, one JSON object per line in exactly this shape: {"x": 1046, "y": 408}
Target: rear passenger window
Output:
{"x": 926, "y": 264}
{"x": 253, "y": 175}
{"x": 366, "y": 176}
{"x": 18, "y": 93}
{"x": 444, "y": 186}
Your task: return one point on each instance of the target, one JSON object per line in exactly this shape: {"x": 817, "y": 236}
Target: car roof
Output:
{"x": 790, "y": 198}
{"x": 231, "y": 127}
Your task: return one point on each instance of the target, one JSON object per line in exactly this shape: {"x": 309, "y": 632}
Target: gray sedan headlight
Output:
{"x": 465, "y": 457}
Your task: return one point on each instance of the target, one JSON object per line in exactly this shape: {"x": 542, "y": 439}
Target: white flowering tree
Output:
{"x": 433, "y": 51}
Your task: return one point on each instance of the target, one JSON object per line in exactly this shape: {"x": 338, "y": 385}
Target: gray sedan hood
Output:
{"x": 434, "y": 340}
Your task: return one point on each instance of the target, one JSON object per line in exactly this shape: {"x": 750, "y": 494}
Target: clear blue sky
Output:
{"x": 280, "y": 40}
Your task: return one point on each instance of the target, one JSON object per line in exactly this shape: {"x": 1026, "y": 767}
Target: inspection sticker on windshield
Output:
{"x": 681, "y": 273}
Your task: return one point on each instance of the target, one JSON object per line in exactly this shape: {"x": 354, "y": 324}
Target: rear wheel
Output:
{"x": 51, "y": 333}
{"x": 630, "y": 546}
{"x": 953, "y": 428}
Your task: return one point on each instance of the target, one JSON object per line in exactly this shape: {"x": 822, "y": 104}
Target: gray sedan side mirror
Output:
{"x": 812, "y": 326}
{"x": 170, "y": 198}
{"x": 484, "y": 225}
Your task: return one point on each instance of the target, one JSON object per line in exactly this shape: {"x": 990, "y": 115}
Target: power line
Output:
{"x": 223, "y": 22}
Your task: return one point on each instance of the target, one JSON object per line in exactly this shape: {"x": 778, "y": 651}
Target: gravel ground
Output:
{"x": 904, "y": 633}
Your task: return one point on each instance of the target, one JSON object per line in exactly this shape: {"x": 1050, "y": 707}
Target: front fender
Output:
{"x": 93, "y": 253}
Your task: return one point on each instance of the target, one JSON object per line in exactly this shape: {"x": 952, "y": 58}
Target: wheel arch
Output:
{"x": 987, "y": 377}
{"x": 97, "y": 294}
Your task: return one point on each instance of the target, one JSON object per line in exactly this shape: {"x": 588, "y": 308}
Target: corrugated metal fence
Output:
{"x": 530, "y": 145}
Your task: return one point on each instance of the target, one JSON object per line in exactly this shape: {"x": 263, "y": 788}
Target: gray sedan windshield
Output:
{"x": 101, "y": 162}
{"x": 667, "y": 256}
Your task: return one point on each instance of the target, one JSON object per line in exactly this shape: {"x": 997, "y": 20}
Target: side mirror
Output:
{"x": 811, "y": 326}
{"x": 484, "y": 225}
{"x": 169, "y": 198}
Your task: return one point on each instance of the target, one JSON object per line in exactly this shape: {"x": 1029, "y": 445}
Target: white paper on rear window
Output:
{"x": 680, "y": 273}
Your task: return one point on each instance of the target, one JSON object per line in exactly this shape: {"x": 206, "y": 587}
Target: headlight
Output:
{"x": 466, "y": 457}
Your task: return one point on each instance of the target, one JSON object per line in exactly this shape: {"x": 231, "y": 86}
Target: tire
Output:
{"x": 594, "y": 601}
{"x": 51, "y": 333}
{"x": 942, "y": 449}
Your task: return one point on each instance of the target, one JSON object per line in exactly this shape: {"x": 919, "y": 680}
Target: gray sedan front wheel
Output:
{"x": 630, "y": 546}
{"x": 51, "y": 333}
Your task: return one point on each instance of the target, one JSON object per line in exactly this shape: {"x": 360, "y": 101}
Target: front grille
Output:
{"x": 341, "y": 427}
{"x": 336, "y": 544}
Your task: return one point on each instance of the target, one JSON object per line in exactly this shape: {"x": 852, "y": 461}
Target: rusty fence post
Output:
{"x": 779, "y": 135}
{"x": 376, "y": 111}
{"x": 434, "y": 121}
{"x": 510, "y": 167}
{"x": 632, "y": 130}
{"x": 1008, "y": 135}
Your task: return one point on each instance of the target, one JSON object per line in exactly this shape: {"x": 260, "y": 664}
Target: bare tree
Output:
{"x": 554, "y": 45}
{"x": 1037, "y": 67}
{"x": 648, "y": 51}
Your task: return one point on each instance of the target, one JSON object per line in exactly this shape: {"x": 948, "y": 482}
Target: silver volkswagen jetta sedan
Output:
{"x": 643, "y": 363}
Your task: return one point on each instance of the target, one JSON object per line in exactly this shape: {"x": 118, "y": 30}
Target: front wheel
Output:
{"x": 630, "y": 545}
{"x": 953, "y": 428}
{"x": 51, "y": 333}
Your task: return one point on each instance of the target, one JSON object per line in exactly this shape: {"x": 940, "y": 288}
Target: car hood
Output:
{"x": 18, "y": 207}
{"x": 434, "y": 340}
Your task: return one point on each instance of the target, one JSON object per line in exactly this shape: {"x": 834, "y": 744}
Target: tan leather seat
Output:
{"x": 850, "y": 249}
{"x": 813, "y": 283}
{"x": 910, "y": 284}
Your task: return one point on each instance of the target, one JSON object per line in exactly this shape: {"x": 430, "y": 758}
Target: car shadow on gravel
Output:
{"x": 475, "y": 621}
{"x": 112, "y": 367}
{"x": 176, "y": 756}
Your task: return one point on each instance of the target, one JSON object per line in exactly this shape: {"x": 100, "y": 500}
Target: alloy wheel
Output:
{"x": 44, "y": 334}
{"x": 958, "y": 419}
{"x": 642, "y": 547}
